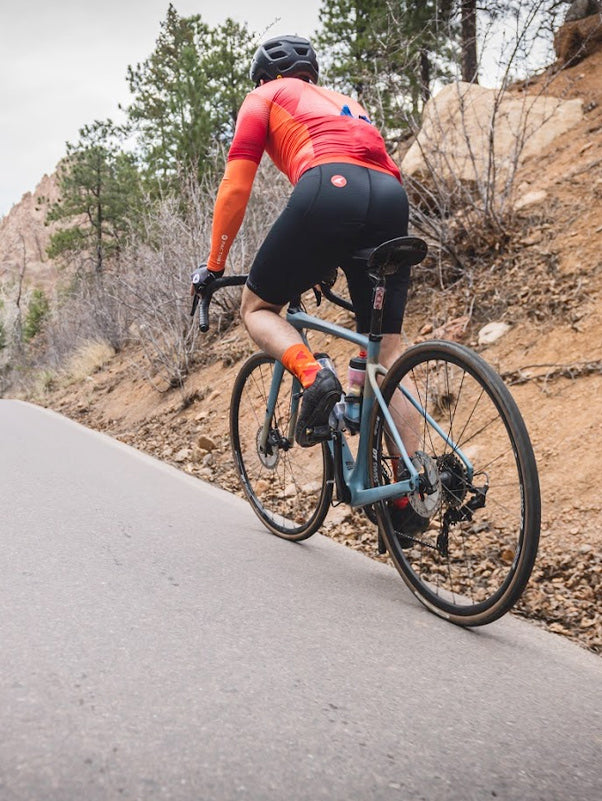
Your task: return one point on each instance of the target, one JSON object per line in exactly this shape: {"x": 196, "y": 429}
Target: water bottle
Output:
{"x": 356, "y": 374}
{"x": 353, "y": 399}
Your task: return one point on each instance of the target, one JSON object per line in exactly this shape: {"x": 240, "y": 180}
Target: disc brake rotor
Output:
{"x": 426, "y": 500}
{"x": 271, "y": 455}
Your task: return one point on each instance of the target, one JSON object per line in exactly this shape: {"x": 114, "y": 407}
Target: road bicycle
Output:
{"x": 471, "y": 480}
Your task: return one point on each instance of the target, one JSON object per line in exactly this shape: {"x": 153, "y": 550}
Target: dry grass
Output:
{"x": 89, "y": 357}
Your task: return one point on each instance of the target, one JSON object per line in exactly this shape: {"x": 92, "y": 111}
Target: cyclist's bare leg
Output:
{"x": 274, "y": 335}
{"x": 404, "y": 414}
{"x": 268, "y": 330}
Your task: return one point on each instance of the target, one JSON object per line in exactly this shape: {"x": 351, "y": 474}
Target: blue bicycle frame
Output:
{"x": 355, "y": 470}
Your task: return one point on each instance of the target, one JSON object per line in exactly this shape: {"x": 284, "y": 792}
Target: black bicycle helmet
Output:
{"x": 285, "y": 57}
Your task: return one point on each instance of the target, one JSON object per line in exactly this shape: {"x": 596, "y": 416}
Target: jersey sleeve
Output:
{"x": 252, "y": 122}
{"x": 244, "y": 156}
{"x": 229, "y": 211}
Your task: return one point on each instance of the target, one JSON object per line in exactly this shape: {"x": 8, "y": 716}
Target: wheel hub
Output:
{"x": 452, "y": 474}
{"x": 426, "y": 500}
{"x": 270, "y": 455}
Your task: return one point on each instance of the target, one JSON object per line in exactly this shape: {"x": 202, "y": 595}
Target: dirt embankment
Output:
{"x": 552, "y": 356}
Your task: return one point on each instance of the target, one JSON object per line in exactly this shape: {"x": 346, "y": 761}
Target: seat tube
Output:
{"x": 378, "y": 302}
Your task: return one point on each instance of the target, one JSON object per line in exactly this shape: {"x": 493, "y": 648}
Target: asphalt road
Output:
{"x": 157, "y": 643}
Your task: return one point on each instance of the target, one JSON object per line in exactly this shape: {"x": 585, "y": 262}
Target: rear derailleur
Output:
{"x": 460, "y": 514}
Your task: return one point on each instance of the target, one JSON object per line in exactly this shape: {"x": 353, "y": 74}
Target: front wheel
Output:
{"x": 288, "y": 487}
{"x": 465, "y": 541}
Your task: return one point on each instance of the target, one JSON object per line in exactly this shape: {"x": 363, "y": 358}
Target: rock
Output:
{"x": 579, "y": 9}
{"x": 492, "y": 332}
{"x": 530, "y": 199}
{"x": 182, "y": 455}
{"x": 453, "y": 330}
{"x": 23, "y": 231}
{"x": 206, "y": 443}
{"x": 578, "y": 39}
{"x": 455, "y": 133}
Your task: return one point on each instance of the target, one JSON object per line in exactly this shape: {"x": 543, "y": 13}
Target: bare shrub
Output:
{"x": 154, "y": 282}
{"x": 462, "y": 167}
{"x": 154, "y": 286}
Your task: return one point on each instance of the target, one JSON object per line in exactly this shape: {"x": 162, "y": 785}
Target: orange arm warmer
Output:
{"x": 229, "y": 211}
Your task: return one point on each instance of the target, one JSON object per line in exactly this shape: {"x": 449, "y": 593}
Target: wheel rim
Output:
{"x": 465, "y": 563}
{"x": 284, "y": 483}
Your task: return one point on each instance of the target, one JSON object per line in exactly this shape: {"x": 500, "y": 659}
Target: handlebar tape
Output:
{"x": 206, "y": 296}
{"x": 204, "y": 314}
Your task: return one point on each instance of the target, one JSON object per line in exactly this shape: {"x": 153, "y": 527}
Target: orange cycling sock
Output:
{"x": 300, "y": 361}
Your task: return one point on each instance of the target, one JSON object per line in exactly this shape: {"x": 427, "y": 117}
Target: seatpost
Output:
{"x": 378, "y": 302}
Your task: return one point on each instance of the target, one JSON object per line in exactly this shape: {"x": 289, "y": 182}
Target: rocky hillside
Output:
{"x": 551, "y": 355}
{"x": 24, "y": 238}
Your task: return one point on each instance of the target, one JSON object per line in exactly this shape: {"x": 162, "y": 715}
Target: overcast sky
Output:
{"x": 63, "y": 64}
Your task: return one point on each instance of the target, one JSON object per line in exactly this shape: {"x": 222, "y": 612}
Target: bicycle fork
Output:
{"x": 264, "y": 444}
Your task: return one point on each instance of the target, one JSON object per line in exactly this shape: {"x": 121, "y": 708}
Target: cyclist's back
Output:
{"x": 301, "y": 125}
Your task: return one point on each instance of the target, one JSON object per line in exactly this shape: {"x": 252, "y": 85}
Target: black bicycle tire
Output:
{"x": 503, "y": 600}
{"x": 269, "y": 519}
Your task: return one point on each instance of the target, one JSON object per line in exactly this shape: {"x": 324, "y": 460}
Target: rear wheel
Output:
{"x": 288, "y": 487}
{"x": 467, "y": 539}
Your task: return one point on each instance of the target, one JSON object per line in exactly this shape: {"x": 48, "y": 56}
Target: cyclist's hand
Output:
{"x": 202, "y": 277}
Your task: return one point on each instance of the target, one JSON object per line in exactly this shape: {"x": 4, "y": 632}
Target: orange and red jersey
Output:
{"x": 300, "y": 126}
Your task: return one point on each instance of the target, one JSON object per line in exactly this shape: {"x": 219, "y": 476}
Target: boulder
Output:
{"x": 533, "y": 198}
{"x": 579, "y": 9}
{"x": 492, "y": 332}
{"x": 466, "y": 128}
{"x": 578, "y": 38}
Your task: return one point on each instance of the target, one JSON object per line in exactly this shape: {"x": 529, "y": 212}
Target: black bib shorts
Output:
{"x": 334, "y": 210}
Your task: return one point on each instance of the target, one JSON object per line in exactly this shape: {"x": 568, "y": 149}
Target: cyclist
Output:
{"x": 347, "y": 195}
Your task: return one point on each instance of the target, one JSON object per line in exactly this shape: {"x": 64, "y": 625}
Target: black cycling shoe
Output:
{"x": 317, "y": 402}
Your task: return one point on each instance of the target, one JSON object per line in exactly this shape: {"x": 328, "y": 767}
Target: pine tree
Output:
{"x": 3, "y": 337}
{"x": 470, "y": 62}
{"x": 187, "y": 94}
{"x": 386, "y": 54}
{"x": 100, "y": 195}
{"x": 37, "y": 312}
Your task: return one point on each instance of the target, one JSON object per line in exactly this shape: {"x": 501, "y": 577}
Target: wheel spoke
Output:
{"x": 477, "y": 539}
{"x": 285, "y": 484}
